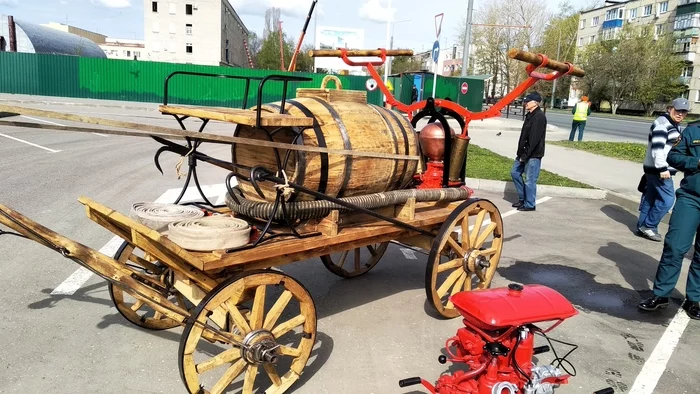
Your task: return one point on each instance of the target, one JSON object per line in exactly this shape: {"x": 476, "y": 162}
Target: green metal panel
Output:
{"x": 131, "y": 80}
{"x": 688, "y": 9}
{"x": 451, "y": 87}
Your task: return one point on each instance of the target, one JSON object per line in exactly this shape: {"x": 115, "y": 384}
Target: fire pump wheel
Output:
{"x": 363, "y": 260}
{"x": 236, "y": 344}
{"x": 136, "y": 310}
{"x": 465, "y": 253}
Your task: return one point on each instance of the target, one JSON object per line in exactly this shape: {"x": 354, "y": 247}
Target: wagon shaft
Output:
{"x": 104, "y": 266}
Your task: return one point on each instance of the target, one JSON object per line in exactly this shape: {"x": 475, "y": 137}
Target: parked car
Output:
{"x": 561, "y": 103}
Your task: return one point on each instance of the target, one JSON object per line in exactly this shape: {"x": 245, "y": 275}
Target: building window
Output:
{"x": 3, "y": 44}
{"x": 686, "y": 21}
{"x": 659, "y": 29}
{"x": 594, "y": 21}
{"x": 663, "y": 7}
{"x": 188, "y": 29}
{"x": 580, "y": 41}
{"x": 647, "y": 10}
{"x": 615, "y": 13}
{"x": 173, "y": 8}
{"x": 591, "y": 39}
{"x": 697, "y": 96}
{"x": 188, "y": 48}
{"x": 633, "y": 13}
{"x": 154, "y": 6}
{"x": 188, "y": 9}
{"x": 582, "y": 24}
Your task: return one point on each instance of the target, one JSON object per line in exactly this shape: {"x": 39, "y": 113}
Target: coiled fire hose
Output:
{"x": 158, "y": 216}
{"x": 317, "y": 209}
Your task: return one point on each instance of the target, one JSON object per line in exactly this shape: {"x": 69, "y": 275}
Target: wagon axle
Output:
{"x": 260, "y": 347}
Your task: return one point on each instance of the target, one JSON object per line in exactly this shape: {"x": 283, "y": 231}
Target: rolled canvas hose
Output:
{"x": 320, "y": 208}
{"x": 158, "y": 215}
{"x": 209, "y": 233}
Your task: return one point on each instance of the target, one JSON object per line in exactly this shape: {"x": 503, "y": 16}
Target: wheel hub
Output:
{"x": 259, "y": 347}
{"x": 473, "y": 260}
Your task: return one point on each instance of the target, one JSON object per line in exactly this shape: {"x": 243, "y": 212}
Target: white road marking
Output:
{"x": 655, "y": 365}
{"x": 41, "y": 120}
{"x": 78, "y": 278}
{"x": 408, "y": 253}
{"x": 55, "y": 124}
{"x": 503, "y": 216}
{"x": 29, "y": 143}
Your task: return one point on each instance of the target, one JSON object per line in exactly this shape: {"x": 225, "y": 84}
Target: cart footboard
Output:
{"x": 98, "y": 263}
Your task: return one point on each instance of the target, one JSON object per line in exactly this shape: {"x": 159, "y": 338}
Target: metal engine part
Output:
{"x": 498, "y": 388}
{"x": 540, "y": 373}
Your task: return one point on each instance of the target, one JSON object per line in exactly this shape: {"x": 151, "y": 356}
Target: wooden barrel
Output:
{"x": 338, "y": 124}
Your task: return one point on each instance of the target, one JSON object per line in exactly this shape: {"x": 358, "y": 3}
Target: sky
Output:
{"x": 124, "y": 18}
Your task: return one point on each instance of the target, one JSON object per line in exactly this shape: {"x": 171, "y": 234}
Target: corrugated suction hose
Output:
{"x": 317, "y": 209}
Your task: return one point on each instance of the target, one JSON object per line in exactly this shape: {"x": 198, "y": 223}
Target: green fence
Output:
{"x": 143, "y": 81}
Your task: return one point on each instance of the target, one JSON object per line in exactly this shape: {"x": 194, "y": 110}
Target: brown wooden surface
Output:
{"x": 536, "y": 59}
{"x": 238, "y": 116}
{"x": 367, "y": 129}
{"x": 359, "y": 52}
{"x": 283, "y": 251}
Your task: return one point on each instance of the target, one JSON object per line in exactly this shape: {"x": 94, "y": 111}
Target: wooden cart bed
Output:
{"x": 239, "y": 116}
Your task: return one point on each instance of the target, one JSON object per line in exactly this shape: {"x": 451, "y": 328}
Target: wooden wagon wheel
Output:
{"x": 269, "y": 346}
{"x": 137, "y": 311}
{"x": 363, "y": 260}
{"x": 465, "y": 253}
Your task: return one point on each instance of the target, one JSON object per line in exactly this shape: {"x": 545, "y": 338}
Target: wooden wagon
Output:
{"x": 246, "y": 322}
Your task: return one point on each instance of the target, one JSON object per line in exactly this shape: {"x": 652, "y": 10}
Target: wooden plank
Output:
{"x": 288, "y": 250}
{"x": 238, "y": 116}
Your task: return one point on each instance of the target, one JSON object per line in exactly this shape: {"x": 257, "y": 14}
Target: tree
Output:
{"x": 269, "y": 55}
{"x": 402, "y": 64}
{"x": 559, "y": 43}
{"x": 254, "y": 46}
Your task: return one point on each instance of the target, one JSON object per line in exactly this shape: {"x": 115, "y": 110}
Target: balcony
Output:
{"x": 689, "y": 57}
{"x": 685, "y": 81}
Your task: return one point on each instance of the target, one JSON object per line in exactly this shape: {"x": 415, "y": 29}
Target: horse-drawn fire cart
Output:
{"x": 322, "y": 175}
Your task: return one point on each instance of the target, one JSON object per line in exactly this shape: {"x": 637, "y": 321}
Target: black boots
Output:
{"x": 692, "y": 308}
{"x": 653, "y": 303}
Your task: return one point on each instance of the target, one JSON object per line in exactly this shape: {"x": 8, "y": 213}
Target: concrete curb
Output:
{"x": 82, "y": 104}
{"x": 554, "y": 191}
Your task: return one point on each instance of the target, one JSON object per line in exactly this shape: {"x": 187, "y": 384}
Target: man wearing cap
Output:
{"x": 658, "y": 197}
{"x": 683, "y": 226}
{"x": 581, "y": 111}
{"x": 530, "y": 152}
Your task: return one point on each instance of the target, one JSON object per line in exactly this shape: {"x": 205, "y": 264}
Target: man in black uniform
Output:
{"x": 530, "y": 153}
{"x": 684, "y": 223}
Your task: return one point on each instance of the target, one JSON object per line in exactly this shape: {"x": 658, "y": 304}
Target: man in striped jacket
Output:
{"x": 658, "y": 198}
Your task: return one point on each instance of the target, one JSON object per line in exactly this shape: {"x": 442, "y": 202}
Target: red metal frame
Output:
{"x": 467, "y": 115}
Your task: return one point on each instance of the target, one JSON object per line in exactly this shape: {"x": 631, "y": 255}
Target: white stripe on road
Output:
{"x": 81, "y": 275}
{"x": 29, "y": 143}
{"x": 655, "y": 365}
{"x": 55, "y": 124}
{"x": 509, "y": 213}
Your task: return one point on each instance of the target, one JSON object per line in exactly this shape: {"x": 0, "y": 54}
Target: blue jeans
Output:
{"x": 657, "y": 200}
{"x": 527, "y": 190}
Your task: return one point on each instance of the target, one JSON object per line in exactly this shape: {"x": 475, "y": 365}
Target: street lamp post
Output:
{"x": 388, "y": 39}
{"x": 391, "y": 43}
{"x": 467, "y": 38}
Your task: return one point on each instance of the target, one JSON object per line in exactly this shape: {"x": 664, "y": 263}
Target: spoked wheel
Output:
{"x": 136, "y": 310}
{"x": 465, "y": 253}
{"x": 361, "y": 260}
{"x": 240, "y": 345}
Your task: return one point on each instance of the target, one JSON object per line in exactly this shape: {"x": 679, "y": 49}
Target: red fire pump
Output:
{"x": 497, "y": 343}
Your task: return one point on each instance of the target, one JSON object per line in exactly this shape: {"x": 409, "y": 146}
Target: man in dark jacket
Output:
{"x": 530, "y": 153}
{"x": 682, "y": 228}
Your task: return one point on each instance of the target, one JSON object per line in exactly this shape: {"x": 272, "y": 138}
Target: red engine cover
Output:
{"x": 515, "y": 305}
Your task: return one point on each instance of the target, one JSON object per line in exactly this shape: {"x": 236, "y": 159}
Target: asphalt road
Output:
{"x": 372, "y": 330}
{"x": 599, "y": 128}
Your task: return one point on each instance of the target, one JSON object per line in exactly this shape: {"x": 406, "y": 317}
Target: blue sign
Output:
{"x": 436, "y": 51}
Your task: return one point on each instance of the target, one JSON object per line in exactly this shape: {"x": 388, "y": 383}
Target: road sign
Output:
{"x": 436, "y": 51}
{"x": 438, "y": 25}
{"x": 371, "y": 84}
{"x": 389, "y": 85}
{"x": 465, "y": 88}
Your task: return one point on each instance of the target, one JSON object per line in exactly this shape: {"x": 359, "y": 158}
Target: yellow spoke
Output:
{"x": 482, "y": 238}
{"x": 456, "y": 263}
{"x": 342, "y": 259}
{"x": 289, "y": 351}
{"x": 454, "y": 245}
{"x": 449, "y": 282}
{"x": 238, "y": 318}
{"x": 276, "y": 311}
{"x": 249, "y": 380}
{"x": 357, "y": 259}
{"x": 137, "y": 305}
{"x": 488, "y": 252}
{"x": 289, "y": 325}
{"x": 468, "y": 282}
{"x": 258, "y": 311}
{"x": 477, "y": 227}
{"x": 456, "y": 288}
{"x": 272, "y": 374}
{"x": 231, "y": 373}
{"x": 227, "y": 356}
{"x": 157, "y": 315}
{"x": 465, "y": 233}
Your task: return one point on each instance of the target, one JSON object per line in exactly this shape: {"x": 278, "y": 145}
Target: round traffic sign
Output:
{"x": 436, "y": 51}
{"x": 465, "y": 88}
{"x": 371, "y": 84}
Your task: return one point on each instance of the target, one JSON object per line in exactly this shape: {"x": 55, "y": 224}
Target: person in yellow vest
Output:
{"x": 581, "y": 111}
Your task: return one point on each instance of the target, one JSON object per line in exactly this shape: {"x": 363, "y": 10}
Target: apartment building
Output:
{"x": 207, "y": 32}
{"x": 686, "y": 30}
{"x": 604, "y": 23}
{"x": 122, "y": 49}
